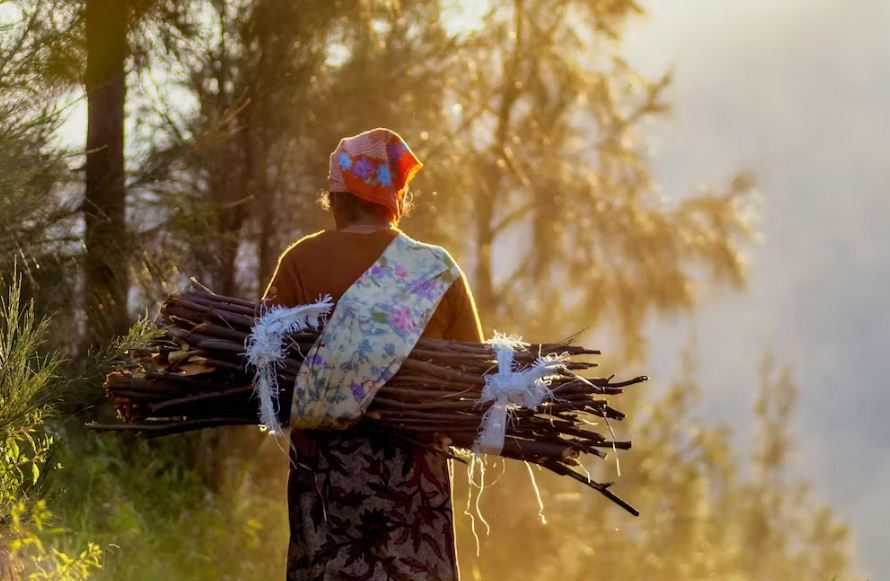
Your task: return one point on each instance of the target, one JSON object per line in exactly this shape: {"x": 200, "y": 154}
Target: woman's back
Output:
{"x": 328, "y": 262}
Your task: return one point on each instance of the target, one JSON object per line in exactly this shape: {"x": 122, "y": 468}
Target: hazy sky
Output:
{"x": 799, "y": 92}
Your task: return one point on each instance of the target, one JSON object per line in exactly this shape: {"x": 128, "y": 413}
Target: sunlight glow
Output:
{"x": 464, "y": 16}
{"x": 9, "y": 13}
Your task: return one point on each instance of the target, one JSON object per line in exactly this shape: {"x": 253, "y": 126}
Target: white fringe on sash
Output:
{"x": 265, "y": 350}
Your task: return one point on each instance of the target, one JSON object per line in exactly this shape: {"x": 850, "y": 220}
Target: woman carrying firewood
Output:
{"x": 362, "y": 505}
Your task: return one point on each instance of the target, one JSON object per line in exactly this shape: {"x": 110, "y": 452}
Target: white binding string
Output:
{"x": 265, "y": 350}
{"x": 509, "y": 389}
{"x": 537, "y": 490}
{"x": 475, "y": 462}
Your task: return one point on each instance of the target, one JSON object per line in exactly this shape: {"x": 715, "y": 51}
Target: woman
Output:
{"x": 363, "y": 506}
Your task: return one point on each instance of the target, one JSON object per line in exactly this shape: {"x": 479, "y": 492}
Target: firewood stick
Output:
{"x": 166, "y": 428}
{"x": 442, "y": 372}
{"x": 227, "y": 393}
{"x": 217, "y": 305}
{"x": 385, "y": 402}
{"x": 198, "y": 288}
{"x": 599, "y": 487}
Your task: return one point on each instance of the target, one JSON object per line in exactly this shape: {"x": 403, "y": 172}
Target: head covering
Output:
{"x": 375, "y": 166}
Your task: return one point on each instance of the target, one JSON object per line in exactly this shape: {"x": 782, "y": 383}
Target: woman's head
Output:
{"x": 348, "y": 209}
{"x": 370, "y": 171}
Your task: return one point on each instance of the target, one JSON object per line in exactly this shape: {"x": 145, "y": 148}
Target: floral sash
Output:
{"x": 375, "y": 325}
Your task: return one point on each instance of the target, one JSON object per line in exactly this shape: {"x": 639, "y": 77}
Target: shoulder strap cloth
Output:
{"x": 375, "y": 325}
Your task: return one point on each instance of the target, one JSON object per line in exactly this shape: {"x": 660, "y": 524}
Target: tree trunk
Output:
{"x": 104, "y": 206}
{"x": 227, "y": 173}
{"x": 264, "y": 196}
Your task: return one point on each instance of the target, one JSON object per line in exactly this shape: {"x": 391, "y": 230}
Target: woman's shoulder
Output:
{"x": 434, "y": 249}
{"x": 306, "y": 244}
{"x": 333, "y": 244}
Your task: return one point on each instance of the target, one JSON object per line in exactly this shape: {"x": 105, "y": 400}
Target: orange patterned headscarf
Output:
{"x": 375, "y": 166}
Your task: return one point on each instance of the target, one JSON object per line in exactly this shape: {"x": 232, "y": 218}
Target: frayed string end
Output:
{"x": 265, "y": 350}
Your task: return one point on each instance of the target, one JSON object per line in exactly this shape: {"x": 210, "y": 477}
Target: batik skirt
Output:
{"x": 366, "y": 507}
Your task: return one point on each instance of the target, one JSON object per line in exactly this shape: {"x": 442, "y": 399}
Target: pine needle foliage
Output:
{"x": 28, "y": 377}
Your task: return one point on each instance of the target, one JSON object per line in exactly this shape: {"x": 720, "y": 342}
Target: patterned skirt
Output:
{"x": 365, "y": 508}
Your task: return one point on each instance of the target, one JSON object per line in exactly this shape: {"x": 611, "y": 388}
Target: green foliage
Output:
{"x": 79, "y": 396}
{"x": 38, "y": 56}
{"x": 27, "y": 378}
{"x": 157, "y": 517}
{"x": 33, "y": 222}
{"x": 40, "y": 562}
{"x": 36, "y": 216}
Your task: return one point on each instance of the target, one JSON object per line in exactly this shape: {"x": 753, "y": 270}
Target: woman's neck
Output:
{"x": 364, "y": 227}
{"x": 364, "y": 221}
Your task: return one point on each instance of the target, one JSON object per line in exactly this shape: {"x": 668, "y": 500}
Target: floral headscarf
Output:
{"x": 375, "y": 166}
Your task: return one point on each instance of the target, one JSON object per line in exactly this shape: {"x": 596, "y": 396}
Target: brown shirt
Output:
{"x": 328, "y": 262}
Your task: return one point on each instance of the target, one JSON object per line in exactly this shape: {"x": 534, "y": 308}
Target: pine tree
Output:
{"x": 104, "y": 206}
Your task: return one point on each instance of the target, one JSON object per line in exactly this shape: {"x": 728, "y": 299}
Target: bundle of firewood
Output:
{"x": 195, "y": 376}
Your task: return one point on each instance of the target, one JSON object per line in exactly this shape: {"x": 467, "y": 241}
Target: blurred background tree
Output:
{"x": 707, "y": 512}
{"x": 37, "y": 215}
{"x": 210, "y": 123}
